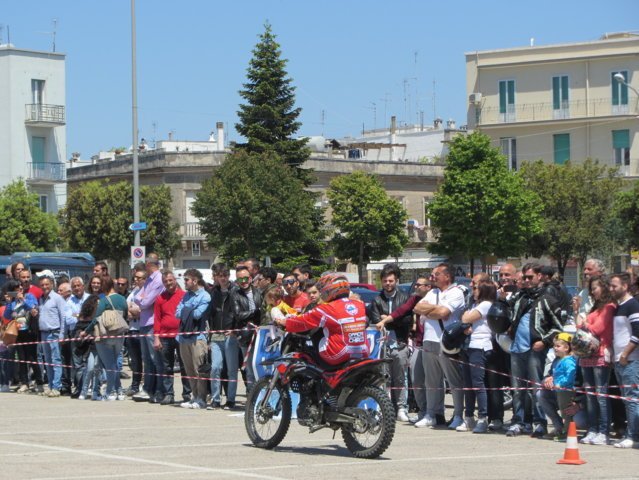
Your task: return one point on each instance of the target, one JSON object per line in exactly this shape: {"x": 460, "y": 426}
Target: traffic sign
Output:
{"x": 138, "y": 254}
{"x": 137, "y": 226}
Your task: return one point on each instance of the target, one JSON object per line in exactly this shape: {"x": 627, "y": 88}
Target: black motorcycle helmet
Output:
{"x": 453, "y": 337}
{"x": 499, "y": 317}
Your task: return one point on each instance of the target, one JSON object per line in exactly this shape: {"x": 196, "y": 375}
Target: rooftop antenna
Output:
{"x": 1, "y": 32}
{"x": 385, "y": 100}
{"x": 322, "y": 120}
{"x": 154, "y": 124}
{"x": 434, "y": 100}
{"x": 53, "y": 33}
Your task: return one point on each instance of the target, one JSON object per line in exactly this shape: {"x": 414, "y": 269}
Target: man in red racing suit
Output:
{"x": 342, "y": 320}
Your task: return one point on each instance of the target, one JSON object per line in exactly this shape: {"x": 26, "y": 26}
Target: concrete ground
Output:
{"x": 60, "y": 438}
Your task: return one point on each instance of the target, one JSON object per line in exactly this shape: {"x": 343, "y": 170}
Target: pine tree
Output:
{"x": 268, "y": 119}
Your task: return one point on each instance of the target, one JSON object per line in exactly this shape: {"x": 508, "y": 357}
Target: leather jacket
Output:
{"x": 379, "y": 307}
{"x": 242, "y": 313}
{"x": 221, "y": 308}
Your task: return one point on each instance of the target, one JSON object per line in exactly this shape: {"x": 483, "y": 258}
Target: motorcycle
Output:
{"x": 349, "y": 397}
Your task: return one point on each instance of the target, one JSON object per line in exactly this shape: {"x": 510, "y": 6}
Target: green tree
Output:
{"x": 269, "y": 118}
{"x": 97, "y": 218}
{"x": 626, "y": 212}
{"x": 481, "y": 208}
{"x": 254, "y": 205}
{"x": 369, "y": 225}
{"x": 576, "y": 201}
{"x": 25, "y": 228}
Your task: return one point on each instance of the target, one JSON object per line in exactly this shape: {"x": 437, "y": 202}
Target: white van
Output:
{"x": 207, "y": 275}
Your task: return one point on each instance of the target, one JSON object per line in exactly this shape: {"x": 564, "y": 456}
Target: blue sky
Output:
{"x": 344, "y": 56}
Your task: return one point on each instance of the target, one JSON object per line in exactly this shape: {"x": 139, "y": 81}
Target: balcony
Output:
{"x": 545, "y": 111}
{"x": 46, "y": 173}
{"x": 421, "y": 234}
{"x": 41, "y": 115}
{"x": 191, "y": 231}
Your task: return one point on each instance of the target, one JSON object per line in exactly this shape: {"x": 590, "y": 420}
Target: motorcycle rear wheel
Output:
{"x": 267, "y": 424}
{"x": 373, "y": 431}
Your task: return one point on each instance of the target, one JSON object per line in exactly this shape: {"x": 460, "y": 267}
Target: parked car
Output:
{"x": 368, "y": 286}
{"x": 365, "y": 294}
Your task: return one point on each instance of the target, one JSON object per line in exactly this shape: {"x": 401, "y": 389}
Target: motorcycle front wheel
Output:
{"x": 267, "y": 419}
{"x": 374, "y": 427}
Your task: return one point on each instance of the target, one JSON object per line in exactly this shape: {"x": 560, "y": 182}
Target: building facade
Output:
{"x": 32, "y": 122}
{"x": 412, "y": 184}
{"x": 559, "y": 102}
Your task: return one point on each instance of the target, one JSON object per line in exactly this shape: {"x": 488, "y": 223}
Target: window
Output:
{"x": 561, "y": 147}
{"x": 509, "y": 148}
{"x": 37, "y": 91}
{"x": 507, "y": 100}
{"x": 560, "y": 97}
{"x": 44, "y": 203}
{"x": 195, "y": 248}
{"x": 619, "y": 94}
{"x": 621, "y": 147}
{"x": 427, "y": 201}
{"x": 37, "y": 152}
{"x": 188, "y": 215}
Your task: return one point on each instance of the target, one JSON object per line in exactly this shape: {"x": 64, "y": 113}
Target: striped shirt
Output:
{"x": 626, "y": 328}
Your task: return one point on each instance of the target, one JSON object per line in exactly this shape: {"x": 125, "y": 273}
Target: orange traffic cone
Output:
{"x": 571, "y": 453}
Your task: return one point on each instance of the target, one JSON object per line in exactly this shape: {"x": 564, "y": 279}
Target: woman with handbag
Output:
{"x": 596, "y": 368}
{"x": 110, "y": 347}
{"x": 18, "y": 310}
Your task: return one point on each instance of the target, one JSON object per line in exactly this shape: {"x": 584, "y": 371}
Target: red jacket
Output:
{"x": 344, "y": 324}
{"x": 164, "y": 312}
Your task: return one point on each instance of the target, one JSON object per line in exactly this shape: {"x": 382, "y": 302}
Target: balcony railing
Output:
{"x": 422, "y": 234}
{"x": 46, "y": 172}
{"x": 535, "y": 112}
{"x": 191, "y": 231}
{"x": 41, "y": 114}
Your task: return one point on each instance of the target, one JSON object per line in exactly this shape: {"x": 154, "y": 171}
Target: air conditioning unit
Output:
{"x": 475, "y": 98}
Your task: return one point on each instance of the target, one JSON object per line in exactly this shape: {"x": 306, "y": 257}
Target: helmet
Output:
{"x": 453, "y": 337}
{"x": 584, "y": 344}
{"x": 504, "y": 341}
{"x": 333, "y": 286}
{"x": 499, "y": 317}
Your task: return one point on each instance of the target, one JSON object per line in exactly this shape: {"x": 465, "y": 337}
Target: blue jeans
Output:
{"x": 474, "y": 378}
{"x": 52, "y": 355}
{"x": 528, "y": 365}
{"x": 629, "y": 375}
{"x": 108, "y": 351}
{"x": 6, "y": 365}
{"x": 171, "y": 350}
{"x": 597, "y": 407}
{"x": 153, "y": 363}
{"x": 549, "y": 404}
{"x": 224, "y": 352}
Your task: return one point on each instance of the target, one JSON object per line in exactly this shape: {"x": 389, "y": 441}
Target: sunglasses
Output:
{"x": 528, "y": 277}
{"x": 288, "y": 282}
{"x": 121, "y": 284}
{"x": 243, "y": 279}
{"x": 138, "y": 277}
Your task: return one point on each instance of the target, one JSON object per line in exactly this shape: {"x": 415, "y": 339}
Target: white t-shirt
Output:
{"x": 453, "y": 299}
{"x": 481, "y": 336}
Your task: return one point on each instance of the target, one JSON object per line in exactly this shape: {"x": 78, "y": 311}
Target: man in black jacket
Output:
{"x": 224, "y": 345}
{"x": 246, "y": 301}
{"x": 536, "y": 320}
{"x": 389, "y": 299}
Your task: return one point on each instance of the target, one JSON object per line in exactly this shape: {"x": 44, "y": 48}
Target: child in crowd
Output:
{"x": 276, "y": 309}
{"x": 561, "y": 376}
{"x": 313, "y": 295}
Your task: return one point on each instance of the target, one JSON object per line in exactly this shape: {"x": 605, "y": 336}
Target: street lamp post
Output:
{"x": 621, "y": 79}
{"x": 134, "y": 102}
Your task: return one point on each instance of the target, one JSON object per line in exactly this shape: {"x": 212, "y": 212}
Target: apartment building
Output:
{"x": 559, "y": 102}
{"x": 32, "y": 122}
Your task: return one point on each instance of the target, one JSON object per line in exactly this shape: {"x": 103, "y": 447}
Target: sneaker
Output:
{"x": 625, "y": 443}
{"x": 82, "y": 397}
{"x": 528, "y": 429}
{"x": 539, "y": 431}
{"x": 587, "y": 440}
{"x": 514, "y": 430}
{"x": 426, "y": 421}
{"x": 481, "y": 426}
{"x": 121, "y": 397}
{"x": 167, "y": 400}
{"x": 44, "y": 391}
{"x": 213, "y": 406}
{"x": 186, "y": 404}
{"x": 39, "y": 389}
{"x": 229, "y": 406}
{"x": 112, "y": 398}
{"x": 402, "y": 415}
{"x": 560, "y": 437}
{"x": 131, "y": 391}
{"x": 198, "y": 406}
{"x": 141, "y": 396}
{"x": 495, "y": 425}
{"x": 467, "y": 426}
{"x": 415, "y": 418}
{"x": 599, "y": 439}
{"x": 53, "y": 393}
{"x": 23, "y": 389}
{"x": 455, "y": 422}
